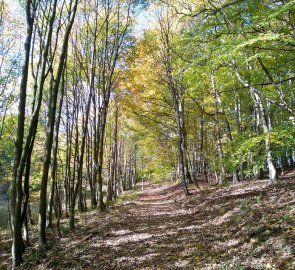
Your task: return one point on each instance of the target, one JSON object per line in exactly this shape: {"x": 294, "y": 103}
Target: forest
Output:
{"x": 147, "y": 134}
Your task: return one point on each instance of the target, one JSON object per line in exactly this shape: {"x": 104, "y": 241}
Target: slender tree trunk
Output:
{"x": 102, "y": 206}
{"x": 74, "y": 184}
{"x": 257, "y": 100}
{"x": 49, "y": 134}
{"x": 177, "y": 94}
{"x": 82, "y": 151}
{"x": 67, "y": 178}
{"x": 217, "y": 132}
{"x": 27, "y": 191}
{"x": 16, "y": 187}
{"x": 182, "y": 146}
{"x": 113, "y": 159}
{"x": 239, "y": 130}
{"x": 54, "y": 157}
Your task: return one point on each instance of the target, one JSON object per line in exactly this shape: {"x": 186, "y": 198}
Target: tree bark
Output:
{"x": 257, "y": 100}
{"x": 49, "y": 134}
{"x": 16, "y": 186}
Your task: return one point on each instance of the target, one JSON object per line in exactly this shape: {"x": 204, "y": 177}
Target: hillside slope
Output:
{"x": 247, "y": 226}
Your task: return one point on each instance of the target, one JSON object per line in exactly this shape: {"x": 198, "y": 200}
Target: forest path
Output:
{"x": 148, "y": 233}
{"x": 247, "y": 226}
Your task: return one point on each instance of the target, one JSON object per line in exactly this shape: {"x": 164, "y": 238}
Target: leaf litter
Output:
{"x": 250, "y": 225}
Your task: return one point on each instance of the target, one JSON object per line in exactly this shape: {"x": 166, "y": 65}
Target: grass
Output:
{"x": 127, "y": 196}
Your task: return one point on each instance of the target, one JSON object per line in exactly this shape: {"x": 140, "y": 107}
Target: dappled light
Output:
{"x": 139, "y": 134}
{"x": 192, "y": 232}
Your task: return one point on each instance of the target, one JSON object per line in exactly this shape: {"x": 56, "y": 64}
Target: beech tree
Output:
{"x": 16, "y": 185}
{"x": 204, "y": 95}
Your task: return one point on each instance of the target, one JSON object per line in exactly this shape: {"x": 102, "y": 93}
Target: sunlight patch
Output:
{"x": 224, "y": 218}
{"x": 170, "y": 213}
{"x": 221, "y": 246}
{"x": 137, "y": 259}
{"x": 123, "y": 239}
{"x": 192, "y": 227}
{"x": 181, "y": 263}
{"x": 121, "y": 232}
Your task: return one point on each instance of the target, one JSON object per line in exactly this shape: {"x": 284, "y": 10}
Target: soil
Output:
{"x": 245, "y": 226}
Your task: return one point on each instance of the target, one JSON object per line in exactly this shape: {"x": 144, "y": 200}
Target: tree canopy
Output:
{"x": 203, "y": 93}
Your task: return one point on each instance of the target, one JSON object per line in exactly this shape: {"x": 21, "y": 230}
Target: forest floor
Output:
{"x": 246, "y": 226}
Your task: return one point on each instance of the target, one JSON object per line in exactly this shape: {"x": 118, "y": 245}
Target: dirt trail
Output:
{"x": 250, "y": 226}
{"x": 149, "y": 233}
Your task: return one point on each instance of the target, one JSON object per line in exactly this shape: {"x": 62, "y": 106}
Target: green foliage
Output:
{"x": 287, "y": 218}
{"x": 253, "y": 148}
{"x": 126, "y": 197}
{"x": 234, "y": 264}
{"x": 7, "y": 147}
{"x": 283, "y": 138}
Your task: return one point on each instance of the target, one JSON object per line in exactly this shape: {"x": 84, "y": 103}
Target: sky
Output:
{"x": 143, "y": 17}
{"x": 142, "y": 22}
{"x": 14, "y": 7}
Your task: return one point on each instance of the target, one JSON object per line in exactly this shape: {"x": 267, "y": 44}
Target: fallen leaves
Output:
{"x": 247, "y": 226}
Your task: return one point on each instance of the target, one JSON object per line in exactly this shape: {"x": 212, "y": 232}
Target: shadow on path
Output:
{"x": 212, "y": 229}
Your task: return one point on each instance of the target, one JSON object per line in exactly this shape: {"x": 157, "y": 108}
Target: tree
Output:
{"x": 16, "y": 186}
{"x": 51, "y": 121}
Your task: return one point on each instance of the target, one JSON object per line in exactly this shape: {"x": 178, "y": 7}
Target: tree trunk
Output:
{"x": 54, "y": 157}
{"x": 257, "y": 100}
{"x": 49, "y": 133}
{"x": 113, "y": 159}
{"x": 16, "y": 186}
{"x": 217, "y": 131}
